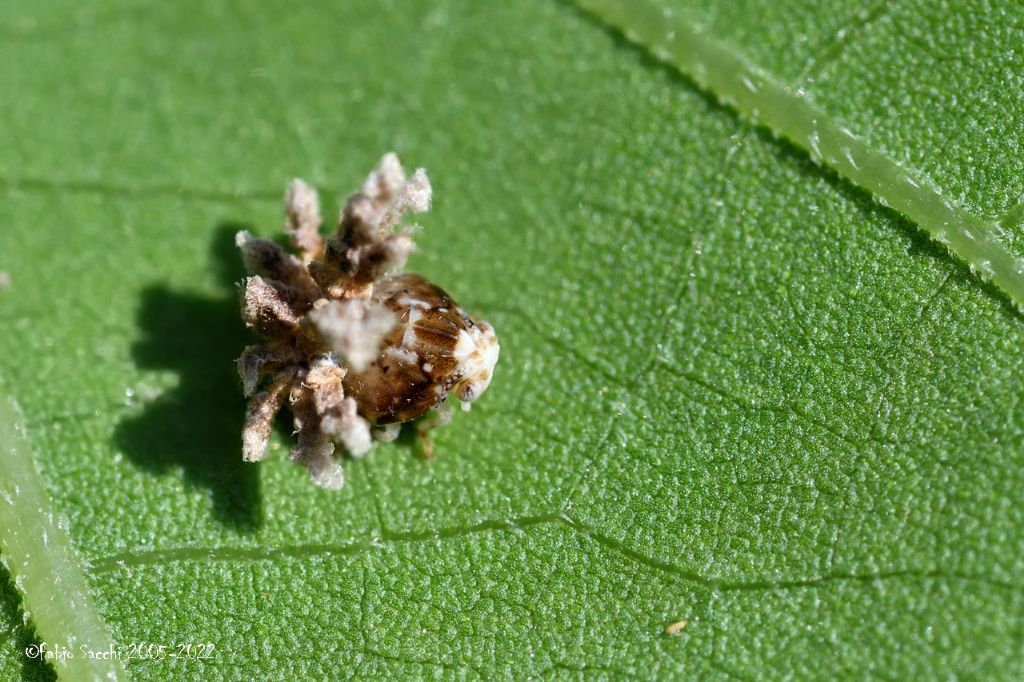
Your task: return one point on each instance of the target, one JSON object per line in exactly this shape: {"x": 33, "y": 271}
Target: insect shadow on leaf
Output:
{"x": 24, "y": 635}
{"x": 194, "y": 427}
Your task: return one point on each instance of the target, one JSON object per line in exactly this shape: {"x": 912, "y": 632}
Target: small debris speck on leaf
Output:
{"x": 355, "y": 347}
{"x": 676, "y": 627}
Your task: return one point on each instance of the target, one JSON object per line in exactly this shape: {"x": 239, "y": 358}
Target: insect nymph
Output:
{"x": 354, "y": 349}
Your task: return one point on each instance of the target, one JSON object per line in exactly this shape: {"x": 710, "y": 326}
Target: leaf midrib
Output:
{"x": 760, "y": 98}
{"x": 42, "y": 561}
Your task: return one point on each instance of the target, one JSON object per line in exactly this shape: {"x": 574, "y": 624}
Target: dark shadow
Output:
{"x": 26, "y": 639}
{"x": 197, "y": 426}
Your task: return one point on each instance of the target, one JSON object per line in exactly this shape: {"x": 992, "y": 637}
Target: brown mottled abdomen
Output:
{"x": 416, "y": 367}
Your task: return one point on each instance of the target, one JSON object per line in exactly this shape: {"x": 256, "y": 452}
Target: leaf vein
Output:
{"x": 522, "y": 524}
{"x": 116, "y": 190}
{"x": 42, "y": 561}
{"x": 761, "y": 99}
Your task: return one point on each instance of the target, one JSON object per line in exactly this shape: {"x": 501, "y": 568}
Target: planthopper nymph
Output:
{"x": 353, "y": 345}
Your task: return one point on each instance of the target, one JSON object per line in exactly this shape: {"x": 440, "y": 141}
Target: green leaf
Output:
{"x": 792, "y": 112}
{"x": 44, "y": 567}
{"x": 734, "y": 390}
